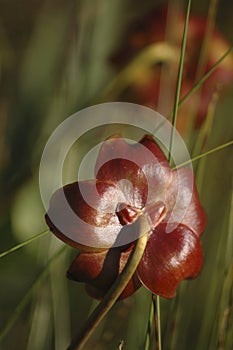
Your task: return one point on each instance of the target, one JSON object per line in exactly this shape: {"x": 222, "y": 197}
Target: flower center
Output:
{"x": 127, "y": 214}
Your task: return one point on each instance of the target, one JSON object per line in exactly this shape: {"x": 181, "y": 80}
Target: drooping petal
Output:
{"x": 141, "y": 169}
{"x": 169, "y": 258}
{"x": 100, "y": 270}
{"x": 83, "y": 214}
{"x": 183, "y": 203}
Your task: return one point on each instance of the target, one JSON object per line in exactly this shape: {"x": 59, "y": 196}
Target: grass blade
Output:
{"x": 11, "y": 321}
{"x": 179, "y": 78}
{"x": 22, "y": 244}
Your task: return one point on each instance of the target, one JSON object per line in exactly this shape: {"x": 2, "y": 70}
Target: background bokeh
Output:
{"x": 55, "y": 59}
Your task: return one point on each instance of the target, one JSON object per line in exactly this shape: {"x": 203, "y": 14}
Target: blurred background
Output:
{"x": 58, "y": 57}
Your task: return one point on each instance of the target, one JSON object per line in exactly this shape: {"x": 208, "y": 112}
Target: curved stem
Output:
{"x": 114, "y": 292}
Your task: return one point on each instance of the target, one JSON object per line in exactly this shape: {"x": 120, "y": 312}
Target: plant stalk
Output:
{"x": 115, "y": 291}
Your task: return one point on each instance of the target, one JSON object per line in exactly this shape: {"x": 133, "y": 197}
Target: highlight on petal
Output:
{"x": 169, "y": 258}
{"x": 83, "y": 214}
{"x": 100, "y": 270}
{"x": 141, "y": 169}
{"x": 183, "y": 203}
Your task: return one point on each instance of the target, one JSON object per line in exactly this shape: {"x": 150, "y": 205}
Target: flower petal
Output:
{"x": 169, "y": 258}
{"x": 183, "y": 203}
{"x": 141, "y": 169}
{"x": 83, "y": 214}
{"x": 100, "y": 270}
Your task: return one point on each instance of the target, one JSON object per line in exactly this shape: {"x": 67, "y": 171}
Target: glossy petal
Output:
{"x": 169, "y": 258}
{"x": 183, "y": 203}
{"x": 92, "y": 222}
{"x": 133, "y": 181}
{"x": 100, "y": 270}
{"x": 141, "y": 170}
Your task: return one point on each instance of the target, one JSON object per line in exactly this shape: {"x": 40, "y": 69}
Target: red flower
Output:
{"x": 132, "y": 180}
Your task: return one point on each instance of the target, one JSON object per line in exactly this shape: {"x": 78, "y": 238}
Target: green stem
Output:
{"x": 175, "y": 112}
{"x": 179, "y": 78}
{"x": 114, "y": 292}
{"x": 158, "y": 324}
{"x": 22, "y": 244}
{"x": 213, "y": 150}
{"x": 149, "y": 326}
{"x": 197, "y": 85}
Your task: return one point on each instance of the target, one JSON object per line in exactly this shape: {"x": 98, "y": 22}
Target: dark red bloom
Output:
{"x": 154, "y": 84}
{"x": 132, "y": 180}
